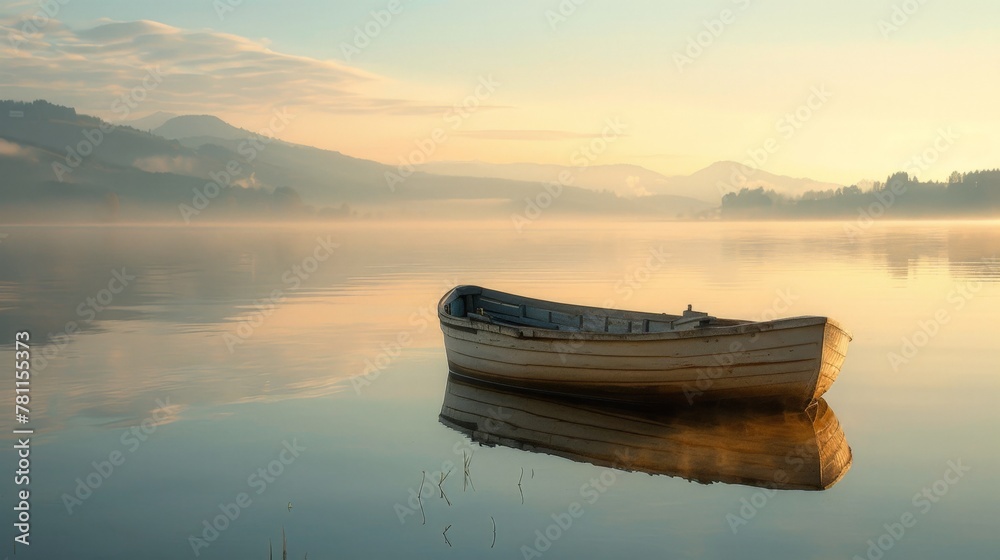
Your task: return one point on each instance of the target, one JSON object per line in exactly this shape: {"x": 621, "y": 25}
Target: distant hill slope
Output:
{"x": 52, "y": 151}
{"x": 191, "y": 126}
{"x": 623, "y": 180}
{"x": 707, "y": 185}
{"x": 312, "y": 171}
{"x": 149, "y": 122}
{"x": 101, "y": 191}
{"x": 723, "y": 177}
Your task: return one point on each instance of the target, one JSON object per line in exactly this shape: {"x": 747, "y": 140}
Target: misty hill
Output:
{"x": 104, "y": 192}
{"x": 724, "y": 177}
{"x": 707, "y": 185}
{"x": 51, "y": 152}
{"x": 623, "y": 180}
{"x": 63, "y": 131}
{"x": 194, "y": 126}
{"x": 312, "y": 170}
{"x": 151, "y": 121}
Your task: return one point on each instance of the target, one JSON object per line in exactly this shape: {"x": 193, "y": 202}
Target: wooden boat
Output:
{"x": 633, "y": 356}
{"x": 772, "y": 448}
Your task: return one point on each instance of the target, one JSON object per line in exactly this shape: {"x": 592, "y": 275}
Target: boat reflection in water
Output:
{"x": 780, "y": 449}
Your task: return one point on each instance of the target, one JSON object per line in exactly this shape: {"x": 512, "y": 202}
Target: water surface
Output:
{"x": 315, "y": 352}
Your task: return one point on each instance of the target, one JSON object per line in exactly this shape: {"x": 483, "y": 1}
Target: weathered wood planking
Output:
{"x": 635, "y": 356}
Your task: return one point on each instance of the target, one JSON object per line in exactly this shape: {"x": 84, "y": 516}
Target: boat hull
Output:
{"x": 792, "y": 361}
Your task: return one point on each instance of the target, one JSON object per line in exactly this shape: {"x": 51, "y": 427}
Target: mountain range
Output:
{"x": 708, "y": 184}
{"x": 56, "y": 162}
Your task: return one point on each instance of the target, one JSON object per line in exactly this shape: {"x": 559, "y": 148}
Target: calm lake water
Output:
{"x": 223, "y": 377}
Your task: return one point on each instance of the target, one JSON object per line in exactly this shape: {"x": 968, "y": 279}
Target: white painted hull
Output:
{"x": 793, "y": 361}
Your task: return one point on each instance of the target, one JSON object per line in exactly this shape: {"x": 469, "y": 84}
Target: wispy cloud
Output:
{"x": 202, "y": 70}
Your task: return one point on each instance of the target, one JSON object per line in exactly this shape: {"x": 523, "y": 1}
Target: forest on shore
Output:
{"x": 972, "y": 194}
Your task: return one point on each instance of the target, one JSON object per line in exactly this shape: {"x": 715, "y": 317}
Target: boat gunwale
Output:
{"x": 525, "y": 331}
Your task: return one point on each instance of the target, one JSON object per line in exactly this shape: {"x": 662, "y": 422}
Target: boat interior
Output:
{"x": 500, "y": 308}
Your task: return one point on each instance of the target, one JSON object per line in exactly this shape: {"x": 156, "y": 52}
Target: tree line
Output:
{"x": 972, "y": 194}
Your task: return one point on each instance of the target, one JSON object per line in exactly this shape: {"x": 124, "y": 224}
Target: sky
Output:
{"x": 835, "y": 91}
